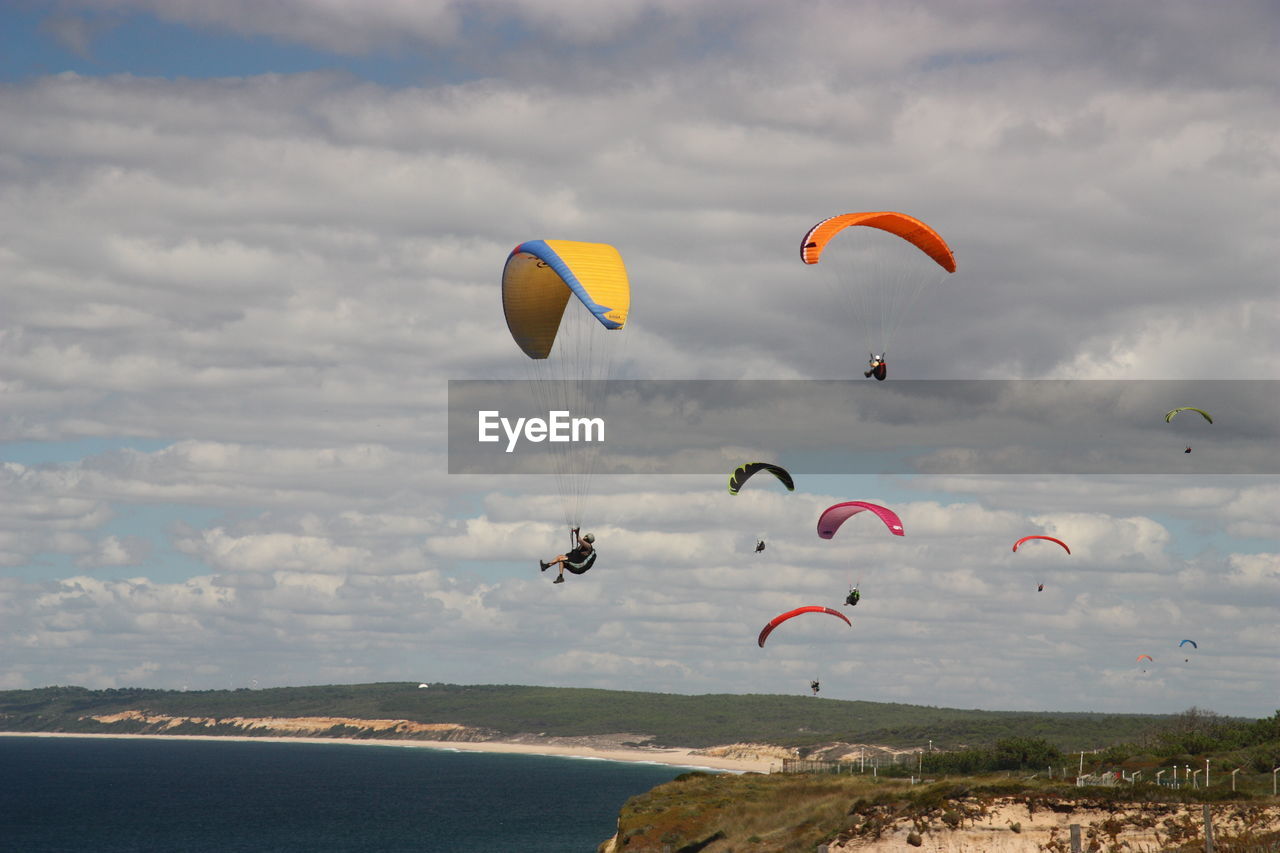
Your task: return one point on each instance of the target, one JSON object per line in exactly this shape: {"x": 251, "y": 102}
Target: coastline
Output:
{"x": 675, "y": 757}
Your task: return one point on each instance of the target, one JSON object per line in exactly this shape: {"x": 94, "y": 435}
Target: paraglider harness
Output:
{"x": 853, "y": 597}
{"x": 877, "y": 367}
{"x": 813, "y": 685}
{"x": 578, "y": 562}
{"x": 759, "y": 545}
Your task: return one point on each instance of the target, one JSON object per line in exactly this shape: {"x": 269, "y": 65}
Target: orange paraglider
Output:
{"x": 907, "y": 227}
{"x": 881, "y": 263}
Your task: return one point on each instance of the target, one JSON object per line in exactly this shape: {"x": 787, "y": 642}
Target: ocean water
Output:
{"x": 104, "y": 795}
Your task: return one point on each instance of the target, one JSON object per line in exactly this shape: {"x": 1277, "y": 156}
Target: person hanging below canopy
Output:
{"x": 853, "y": 597}
{"x": 759, "y": 545}
{"x": 813, "y": 685}
{"x": 577, "y": 561}
{"x": 877, "y": 367}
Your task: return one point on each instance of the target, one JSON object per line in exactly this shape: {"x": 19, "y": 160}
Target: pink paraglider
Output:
{"x": 834, "y": 516}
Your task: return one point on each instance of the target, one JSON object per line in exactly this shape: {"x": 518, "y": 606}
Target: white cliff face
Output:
{"x": 748, "y": 752}
{"x": 1010, "y": 827}
{"x": 298, "y": 726}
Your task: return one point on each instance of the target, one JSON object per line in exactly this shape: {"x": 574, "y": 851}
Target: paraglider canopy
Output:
{"x": 1046, "y": 538}
{"x": 1141, "y": 658}
{"x": 1185, "y": 642}
{"x": 541, "y": 275}
{"x": 745, "y": 472}
{"x": 834, "y": 516}
{"x": 1170, "y": 415}
{"x": 791, "y": 614}
{"x": 907, "y": 227}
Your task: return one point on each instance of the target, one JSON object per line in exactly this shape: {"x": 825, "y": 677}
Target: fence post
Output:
{"x": 1075, "y": 837}
{"x": 1208, "y": 830}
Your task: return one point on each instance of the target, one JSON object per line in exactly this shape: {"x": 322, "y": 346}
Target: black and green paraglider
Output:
{"x": 745, "y": 472}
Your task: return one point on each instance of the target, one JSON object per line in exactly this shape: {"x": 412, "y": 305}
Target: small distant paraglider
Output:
{"x": 1141, "y": 658}
{"x": 1173, "y": 413}
{"x": 1191, "y": 643}
{"x": 1040, "y": 587}
{"x": 746, "y": 471}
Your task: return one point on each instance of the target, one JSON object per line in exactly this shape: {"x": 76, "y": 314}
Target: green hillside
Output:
{"x": 671, "y": 719}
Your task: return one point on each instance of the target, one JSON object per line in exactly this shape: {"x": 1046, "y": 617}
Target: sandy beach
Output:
{"x": 676, "y": 757}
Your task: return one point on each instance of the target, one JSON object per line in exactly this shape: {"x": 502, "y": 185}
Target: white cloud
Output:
{"x": 113, "y": 551}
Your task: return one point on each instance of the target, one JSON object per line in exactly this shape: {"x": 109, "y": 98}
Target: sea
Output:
{"x": 134, "y": 794}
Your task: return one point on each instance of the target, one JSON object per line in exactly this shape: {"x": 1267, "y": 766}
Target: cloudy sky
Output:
{"x": 244, "y": 247}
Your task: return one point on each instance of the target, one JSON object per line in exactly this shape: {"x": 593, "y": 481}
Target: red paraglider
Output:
{"x": 1046, "y": 538}
{"x": 834, "y": 516}
{"x": 791, "y": 614}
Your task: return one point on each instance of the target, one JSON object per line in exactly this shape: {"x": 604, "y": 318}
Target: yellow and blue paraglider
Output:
{"x": 564, "y": 303}
{"x": 542, "y": 275}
